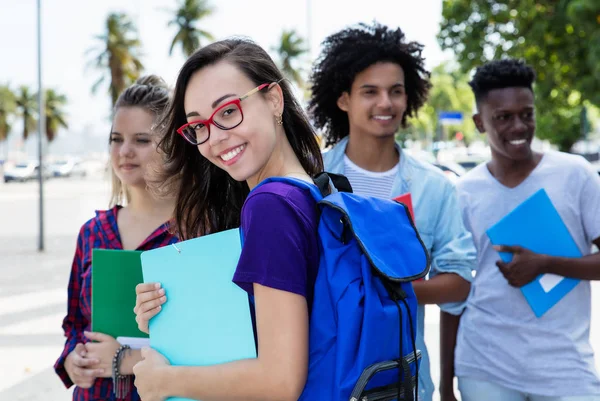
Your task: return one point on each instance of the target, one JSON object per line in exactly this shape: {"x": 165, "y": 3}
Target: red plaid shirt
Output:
{"x": 100, "y": 232}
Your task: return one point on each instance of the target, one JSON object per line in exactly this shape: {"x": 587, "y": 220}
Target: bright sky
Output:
{"x": 69, "y": 27}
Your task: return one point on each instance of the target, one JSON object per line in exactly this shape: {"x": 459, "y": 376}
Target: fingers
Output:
{"x": 149, "y": 296}
{"x": 88, "y": 373}
{"x": 82, "y": 362}
{"x": 100, "y": 337}
{"x": 146, "y": 287}
{"x": 146, "y": 306}
{"x": 515, "y": 249}
{"x": 80, "y": 350}
{"x": 504, "y": 269}
{"x": 143, "y": 318}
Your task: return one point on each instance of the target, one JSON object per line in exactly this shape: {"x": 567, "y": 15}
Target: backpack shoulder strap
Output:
{"x": 340, "y": 183}
{"x": 314, "y": 190}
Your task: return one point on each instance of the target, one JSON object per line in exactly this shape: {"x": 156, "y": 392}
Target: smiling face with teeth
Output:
{"x": 249, "y": 149}
{"x": 376, "y": 101}
{"x": 507, "y": 115}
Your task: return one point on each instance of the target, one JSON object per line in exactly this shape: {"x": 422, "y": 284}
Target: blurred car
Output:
{"x": 22, "y": 172}
{"x": 67, "y": 168}
{"x": 452, "y": 170}
{"x": 470, "y": 163}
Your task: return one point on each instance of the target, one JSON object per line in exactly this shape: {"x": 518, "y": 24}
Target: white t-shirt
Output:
{"x": 370, "y": 183}
{"x": 500, "y": 340}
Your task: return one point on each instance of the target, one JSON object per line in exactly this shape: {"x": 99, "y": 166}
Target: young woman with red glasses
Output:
{"x": 234, "y": 122}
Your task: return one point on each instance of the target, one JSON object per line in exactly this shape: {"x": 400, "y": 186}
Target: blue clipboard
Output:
{"x": 206, "y": 319}
{"x": 536, "y": 225}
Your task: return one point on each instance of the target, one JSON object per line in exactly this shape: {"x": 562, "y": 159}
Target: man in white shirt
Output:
{"x": 503, "y": 351}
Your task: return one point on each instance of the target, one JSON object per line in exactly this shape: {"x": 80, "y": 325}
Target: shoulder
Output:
{"x": 570, "y": 161}
{"x": 278, "y": 201}
{"x": 575, "y": 168}
{"x": 426, "y": 171}
{"x": 473, "y": 177}
{"x": 102, "y": 219}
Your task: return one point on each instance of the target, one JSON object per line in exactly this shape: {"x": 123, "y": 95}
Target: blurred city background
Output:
{"x": 92, "y": 50}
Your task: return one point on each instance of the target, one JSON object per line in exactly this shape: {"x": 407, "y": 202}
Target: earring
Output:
{"x": 279, "y": 119}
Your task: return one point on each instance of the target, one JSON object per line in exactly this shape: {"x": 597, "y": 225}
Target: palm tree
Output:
{"x": 186, "y": 18}
{"x": 55, "y": 114}
{"x": 27, "y": 109}
{"x": 291, "y": 47}
{"x": 8, "y": 107}
{"x": 118, "y": 57}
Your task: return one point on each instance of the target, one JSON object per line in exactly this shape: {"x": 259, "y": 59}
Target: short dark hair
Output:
{"x": 500, "y": 74}
{"x": 351, "y": 51}
{"x": 208, "y": 199}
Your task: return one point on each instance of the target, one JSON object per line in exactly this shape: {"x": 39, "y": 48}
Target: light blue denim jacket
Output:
{"x": 440, "y": 225}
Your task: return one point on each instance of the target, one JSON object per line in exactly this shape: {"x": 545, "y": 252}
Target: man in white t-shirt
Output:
{"x": 503, "y": 351}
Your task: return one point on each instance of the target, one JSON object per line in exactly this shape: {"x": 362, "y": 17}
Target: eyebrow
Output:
{"x": 136, "y": 134}
{"x": 503, "y": 110}
{"x": 369, "y": 86}
{"x": 213, "y": 105}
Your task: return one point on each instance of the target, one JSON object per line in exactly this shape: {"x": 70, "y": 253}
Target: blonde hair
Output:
{"x": 151, "y": 93}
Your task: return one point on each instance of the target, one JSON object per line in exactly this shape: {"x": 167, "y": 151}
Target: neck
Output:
{"x": 505, "y": 168}
{"x": 373, "y": 153}
{"x": 282, "y": 163}
{"x": 142, "y": 202}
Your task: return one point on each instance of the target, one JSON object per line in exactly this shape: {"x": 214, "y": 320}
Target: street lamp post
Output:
{"x": 41, "y": 118}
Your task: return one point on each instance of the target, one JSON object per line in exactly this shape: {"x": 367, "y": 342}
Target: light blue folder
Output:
{"x": 206, "y": 319}
{"x": 536, "y": 225}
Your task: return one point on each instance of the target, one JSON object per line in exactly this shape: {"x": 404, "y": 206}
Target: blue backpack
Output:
{"x": 363, "y": 320}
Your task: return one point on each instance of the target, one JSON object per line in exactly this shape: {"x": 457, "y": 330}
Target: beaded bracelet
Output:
{"x": 121, "y": 383}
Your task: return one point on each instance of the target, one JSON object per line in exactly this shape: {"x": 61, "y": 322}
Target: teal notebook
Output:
{"x": 206, "y": 319}
{"x": 115, "y": 274}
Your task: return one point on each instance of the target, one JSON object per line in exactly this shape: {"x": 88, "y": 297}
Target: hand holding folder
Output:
{"x": 528, "y": 226}
{"x": 115, "y": 273}
{"x": 206, "y": 319}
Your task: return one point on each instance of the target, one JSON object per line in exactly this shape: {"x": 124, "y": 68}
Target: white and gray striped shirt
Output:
{"x": 370, "y": 183}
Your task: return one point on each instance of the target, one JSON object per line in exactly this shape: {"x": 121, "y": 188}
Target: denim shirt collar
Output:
{"x": 334, "y": 160}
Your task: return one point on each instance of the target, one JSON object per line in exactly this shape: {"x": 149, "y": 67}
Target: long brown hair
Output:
{"x": 208, "y": 199}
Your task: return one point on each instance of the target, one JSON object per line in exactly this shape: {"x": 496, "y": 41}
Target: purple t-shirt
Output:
{"x": 281, "y": 249}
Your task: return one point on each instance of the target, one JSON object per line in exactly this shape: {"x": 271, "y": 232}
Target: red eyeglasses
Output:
{"x": 226, "y": 117}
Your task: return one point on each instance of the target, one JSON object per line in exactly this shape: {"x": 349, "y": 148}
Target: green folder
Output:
{"x": 115, "y": 274}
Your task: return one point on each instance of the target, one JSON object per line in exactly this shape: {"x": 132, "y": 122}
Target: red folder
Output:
{"x": 407, "y": 201}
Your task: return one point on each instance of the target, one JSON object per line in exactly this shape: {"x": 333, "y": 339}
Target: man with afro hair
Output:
{"x": 503, "y": 351}
{"x": 367, "y": 81}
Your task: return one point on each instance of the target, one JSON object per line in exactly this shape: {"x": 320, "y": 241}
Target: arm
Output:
{"x": 448, "y": 332}
{"x": 441, "y": 289}
{"x": 130, "y": 360}
{"x": 278, "y": 280}
{"x": 525, "y": 265}
{"x": 453, "y": 258}
{"x": 585, "y": 268}
{"x": 278, "y": 373}
{"x": 74, "y": 323}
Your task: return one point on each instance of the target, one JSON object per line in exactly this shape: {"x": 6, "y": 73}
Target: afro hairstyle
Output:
{"x": 351, "y": 51}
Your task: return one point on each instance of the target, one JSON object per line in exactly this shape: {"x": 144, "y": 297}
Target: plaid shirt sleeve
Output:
{"x": 74, "y": 323}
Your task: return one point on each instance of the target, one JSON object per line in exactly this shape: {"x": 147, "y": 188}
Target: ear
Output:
{"x": 343, "y": 101}
{"x": 275, "y": 98}
{"x": 478, "y": 123}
